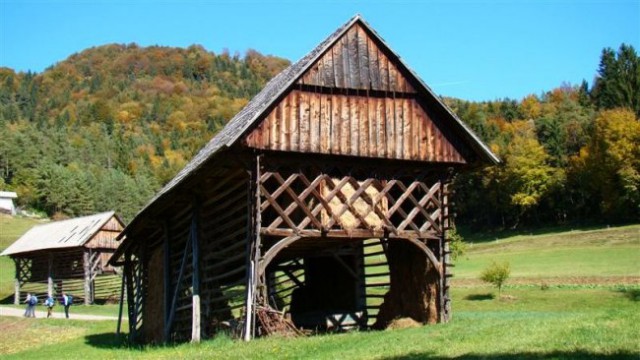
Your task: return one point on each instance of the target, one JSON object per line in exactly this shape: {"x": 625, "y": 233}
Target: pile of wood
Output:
{"x": 273, "y": 322}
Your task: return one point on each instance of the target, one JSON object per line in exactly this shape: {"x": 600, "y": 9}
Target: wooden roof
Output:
{"x": 251, "y": 116}
{"x": 61, "y": 234}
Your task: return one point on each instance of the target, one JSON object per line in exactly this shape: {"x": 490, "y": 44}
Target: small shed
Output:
{"x": 7, "y": 205}
{"x": 70, "y": 255}
{"x": 326, "y": 201}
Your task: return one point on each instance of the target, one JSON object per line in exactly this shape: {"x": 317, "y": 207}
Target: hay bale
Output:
{"x": 348, "y": 219}
{"x": 403, "y": 323}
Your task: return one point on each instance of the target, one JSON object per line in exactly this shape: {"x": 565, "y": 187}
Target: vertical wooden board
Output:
{"x": 345, "y": 62}
{"x": 416, "y": 129}
{"x": 400, "y": 80}
{"x": 336, "y": 53}
{"x": 374, "y": 67}
{"x": 384, "y": 71}
{"x": 325, "y": 124}
{"x": 364, "y": 126}
{"x": 285, "y": 120}
{"x": 430, "y": 147}
{"x": 373, "y": 127}
{"x": 399, "y": 117}
{"x": 390, "y": 128}
{"x": 382, "y": 127}
{"x": 295, "y": 118}
{"x": 266, "y": 125}
{"x": 304, "y": 122}
{"x": 314, "y": 131}
{"x": 393, "y": 77}
{"x": 437, "y": 143}
{"x": 354, "y": 71}
{"x": 354, "y": 122}
{"x": 408, "y": 128}
{"x": 277, "y": 128}
{"x": 328, "y": 70}
{"x": 335, "y": 124}
{"x": 344, "y": 125}
{"x": 363, "y": 61}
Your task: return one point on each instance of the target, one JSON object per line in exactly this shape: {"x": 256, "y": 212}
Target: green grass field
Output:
{"x": 591, "y": 310}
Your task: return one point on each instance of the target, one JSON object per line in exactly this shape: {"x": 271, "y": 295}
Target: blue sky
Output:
{"x": 474, "y": 50}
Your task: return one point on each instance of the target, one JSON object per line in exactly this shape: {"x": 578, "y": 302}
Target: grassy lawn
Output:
{"x": 536, "y": 324}
{"x": 579, "y": 256}
{"x": 593, "y": 312}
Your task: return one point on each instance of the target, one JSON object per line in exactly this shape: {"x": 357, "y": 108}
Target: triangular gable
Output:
{"x": 357, "y": 99}
{"x": 356, "y": 61}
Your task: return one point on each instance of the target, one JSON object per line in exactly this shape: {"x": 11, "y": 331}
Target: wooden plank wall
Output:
{"x": 105, "y": 238}
{"x": 356, "y": 62}
{"x": 354, "y": 101}
{"x": 353, "y": 125}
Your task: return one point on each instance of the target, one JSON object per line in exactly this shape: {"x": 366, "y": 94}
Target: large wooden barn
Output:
{"x": 327, "y": 197}
{"x": 70, "y": 255}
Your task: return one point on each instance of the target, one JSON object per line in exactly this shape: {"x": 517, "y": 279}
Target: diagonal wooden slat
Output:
{"x": 301, "y": 205}
{"x": 277, "y": 208}
{"x": 346, "y": 204}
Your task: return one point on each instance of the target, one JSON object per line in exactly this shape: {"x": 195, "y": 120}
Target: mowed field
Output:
{"x": 572, "y": 295}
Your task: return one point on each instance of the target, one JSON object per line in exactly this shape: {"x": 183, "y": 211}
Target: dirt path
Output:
{"x": 57, "y": 314}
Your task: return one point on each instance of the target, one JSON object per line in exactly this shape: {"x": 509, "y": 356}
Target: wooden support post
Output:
{"x": 174, "y": 298}
{"x": 86, "y": 256}
{"x": 131, "y": 300}
{"x": 50, "y": 276}
{"x": 166, "y": 268}
{"x": 253, "y": 250}
{"x": 16, "y": 296}
{"x": 121, "y": 304}
{"x": 195, "y": 278}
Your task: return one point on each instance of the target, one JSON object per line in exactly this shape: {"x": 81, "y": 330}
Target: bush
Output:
{"x": 457, "y": 246}
{"x": 496, "y": 274}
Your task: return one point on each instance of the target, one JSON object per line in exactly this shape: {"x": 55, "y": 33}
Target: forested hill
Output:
{"x": 105, "y": 128}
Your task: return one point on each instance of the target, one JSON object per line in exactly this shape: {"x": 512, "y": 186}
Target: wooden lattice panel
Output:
{"x": 324, "y": 203}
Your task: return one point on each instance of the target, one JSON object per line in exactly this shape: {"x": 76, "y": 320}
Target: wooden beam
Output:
{"x": 166, "y": 289}
{"x": 121, "y": 304}
{"x": 195, "y": 278}
{"x": 86, "y": 262}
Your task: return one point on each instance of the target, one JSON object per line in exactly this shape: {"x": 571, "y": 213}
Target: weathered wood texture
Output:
{"x": 355, "y": 125}
{"x": 355, "y": 101}
{"x": 357, "y": 62}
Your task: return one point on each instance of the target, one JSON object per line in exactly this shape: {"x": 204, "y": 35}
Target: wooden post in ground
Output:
{"x": 121, "y": 304}
{"x": 166, "y": 268}
{"x": 253, "y": 249}
{"x": 16, "y": 294}
{"x": 195, "y": 278}
{"x": 87, "y": 276}
{"x": 50, "y": 276}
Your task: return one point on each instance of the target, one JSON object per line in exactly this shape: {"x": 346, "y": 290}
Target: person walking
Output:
{"x": 66, "y": 301}
{"x": 27, "y": 310}
{"x": 32, "y": 301}
{"x": 49, "y": 303}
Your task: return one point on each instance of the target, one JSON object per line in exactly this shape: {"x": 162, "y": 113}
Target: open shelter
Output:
{"x": 327, "y": 198}
{"x": 69, "y": 255}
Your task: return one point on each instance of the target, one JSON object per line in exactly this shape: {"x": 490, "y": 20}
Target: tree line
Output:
{"x": 107, "y": 127}
{"x": 569, "y": 155}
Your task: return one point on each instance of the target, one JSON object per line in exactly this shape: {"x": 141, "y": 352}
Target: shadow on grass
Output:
{"x": 7, "y": 301}
{"x": 632, "y": 293}
{"x": 480, "y": 297}
{"x": 110, "y": 341}
{"x": 579, "y": 354}
{"x": 479, "y": 236}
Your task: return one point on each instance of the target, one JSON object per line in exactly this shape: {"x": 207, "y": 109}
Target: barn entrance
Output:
{"x": 334, "y": 285}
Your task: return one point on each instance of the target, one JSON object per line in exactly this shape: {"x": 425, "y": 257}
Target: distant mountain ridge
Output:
{"x": 137, "y": 113}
